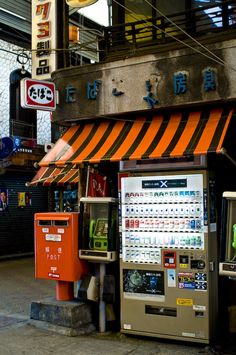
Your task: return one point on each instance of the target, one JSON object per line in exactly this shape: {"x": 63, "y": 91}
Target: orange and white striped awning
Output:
{"x": 172, "y": 135}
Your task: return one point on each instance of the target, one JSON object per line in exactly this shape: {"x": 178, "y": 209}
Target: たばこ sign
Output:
{"x": 38, "y": 94}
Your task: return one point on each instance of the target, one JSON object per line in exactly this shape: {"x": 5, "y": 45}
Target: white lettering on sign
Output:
{"x": 55, "y": 276}
{"x": 55, "y": 257}
{"x": 45, "y": 230}
{"x": 53, "y": 268}
{"x": 47, "y": 249}
{"x": 53, "y": 237}
{"x": 60, "y": 230}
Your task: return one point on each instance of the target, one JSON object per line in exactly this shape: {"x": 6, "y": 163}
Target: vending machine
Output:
{"x": 168, "y": 256}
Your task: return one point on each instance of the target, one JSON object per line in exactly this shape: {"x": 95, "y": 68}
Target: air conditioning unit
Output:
{"x": 48, "y": 146}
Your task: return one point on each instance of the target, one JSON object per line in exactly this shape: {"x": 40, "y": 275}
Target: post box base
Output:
{"x": 69, "y": 314}
{"x": 64, "y": 291}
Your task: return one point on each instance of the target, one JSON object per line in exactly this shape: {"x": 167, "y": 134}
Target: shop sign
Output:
{"x": 44, "y": 38}
{"x": 36, "y": 94}
{"x": 180, "y": 86}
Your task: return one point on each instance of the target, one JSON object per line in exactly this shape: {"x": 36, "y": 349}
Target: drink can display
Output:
{"x": 136, "y": 239}
{"x": 176, "y": 224}
{"x": 166, "y": 211}
{"x": 181, "y": 210}
{"x": 147, "y": 240}
{"x": 181, "y": 224}
{"x": 172, "y": 240}
{"x": 193, "y": 240}
{"x": 151, "y": 196}
{"x": 156, "y": 224}
{"x": 141, "y": 223}
{"x": 161, "y": 210}
{"x": 198, "y": 241}
{"x": 161, "y": 224}
{"x": 192, "y": 210}
{"x": 131, "y": 209}
{"x": 171, "y": 224}
{"x": 187, "y": 224}
{"x": 127, "y": 210}
{"x": 132, "y": 239}
{"x": 146, "y": 197}
{"x": 131, "y": 196}
{"x": 151, "y": 223}
{"x": 136, "y": 223}
{"x": 166, "y": 224}
{"x": 198, "y": 224}
{"x": 136, "y": 209}
{"x": 192, "y": 224}
{"x": 131, "y": 223}
{"x": 187, "y": 240}
{"x": 186, "y": 196}
{"x": 186, "y": 211}
{"x": 127, "y": 238}
{"x": 192, "y": 195}
{"x": 127, "y": 224}
{"x": 198, "y": 210}
{"x": 127, "y": 196}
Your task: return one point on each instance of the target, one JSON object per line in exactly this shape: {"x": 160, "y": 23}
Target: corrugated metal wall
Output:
{"x": 16, "y": 224}
{"x": 19, "y": 7}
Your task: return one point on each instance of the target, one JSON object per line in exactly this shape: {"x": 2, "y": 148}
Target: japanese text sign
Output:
{"x": 38, "y": 94}
{"x": 44, "y": 39}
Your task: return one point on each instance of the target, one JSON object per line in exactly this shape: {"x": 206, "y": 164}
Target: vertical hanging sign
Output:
{"x": 44, "y": 38}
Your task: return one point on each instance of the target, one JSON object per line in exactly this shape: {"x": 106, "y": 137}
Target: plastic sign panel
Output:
{"x": 39, "y": 95}
{"x": 44, "y": 38}
{"x": 80, "y": 3}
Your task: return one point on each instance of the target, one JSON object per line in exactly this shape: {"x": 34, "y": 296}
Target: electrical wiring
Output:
{"x": 176, "y": 39}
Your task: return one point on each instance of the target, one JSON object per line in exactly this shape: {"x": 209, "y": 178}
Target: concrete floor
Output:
{"x": 18, "y": 288}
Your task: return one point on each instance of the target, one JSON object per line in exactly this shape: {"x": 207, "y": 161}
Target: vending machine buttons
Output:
{"x": 169, "y": 259}
{"x": 198, "y": 264}
{"x": 183, "y": 261}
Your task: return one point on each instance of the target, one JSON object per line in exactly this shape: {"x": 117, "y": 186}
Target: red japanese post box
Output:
{"x": 57, "y": 250}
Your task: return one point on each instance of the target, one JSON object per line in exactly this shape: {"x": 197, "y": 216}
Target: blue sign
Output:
{"x": 6, "y": 147}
